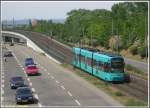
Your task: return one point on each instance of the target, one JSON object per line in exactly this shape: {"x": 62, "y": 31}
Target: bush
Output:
{"x": 133, "y": 50}
{"x": 119, "y": 93}
{"x": 143, "y": 51}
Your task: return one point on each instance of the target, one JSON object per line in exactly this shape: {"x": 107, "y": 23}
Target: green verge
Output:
{"x": 117, "y": 94}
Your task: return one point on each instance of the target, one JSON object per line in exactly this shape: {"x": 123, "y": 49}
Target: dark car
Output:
{"x": 8, "y": 54}
{"x": 24, "y": 95}
{"x": 16, "y": 82}
{"x": 11, "y": 44}
{"x": 29, "y": 61}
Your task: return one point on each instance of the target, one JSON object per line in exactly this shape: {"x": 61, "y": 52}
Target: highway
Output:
{"x": 140, "y": 65}
{"x": 54, "y": 86}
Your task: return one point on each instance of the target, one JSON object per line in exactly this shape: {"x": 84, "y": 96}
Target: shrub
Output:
{"x": 133, "y": 50}
{"x": 143, "y": 51}
{"x": 119, "y": 93}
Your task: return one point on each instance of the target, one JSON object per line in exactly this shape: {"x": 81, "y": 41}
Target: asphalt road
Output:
{"x": 140, "y": 65}
{"x": 55, "y": 86}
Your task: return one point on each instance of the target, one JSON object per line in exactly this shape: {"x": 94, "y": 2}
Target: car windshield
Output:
{"x": 29, "y": 59}
{"x": 117, "y": 64}
{"x": 24, "y": 91}
{"x": 32, "y": 67}
{"x": 17, "y": 79}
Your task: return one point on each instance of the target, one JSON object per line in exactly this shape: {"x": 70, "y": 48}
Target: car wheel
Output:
{"x": 12, "y": 87}
{"x": 17, "y": 102}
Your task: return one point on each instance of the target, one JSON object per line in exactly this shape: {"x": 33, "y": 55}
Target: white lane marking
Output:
{"x": 2, "y": 92}
{"x": 2, "y": 85}
{"x": 57, "y": 81}
{"x": 52, "y": 77}
{"x": 2, "y": 98}
{"x": 63, "y": 87}
{"x": 19, "y": 64}
{"x": 39, "y": 104}
{"x": 77, "y": 102}
{"x": 2, "y": 80}
{"x": 36, "y": 96}
{"x": 30, "y": 83}
{"x": 28, "y": 79}
{"x": 2, "y": 76}
{"x": 33, "y": 90}
{"x": 24, "y": 72}
{"x": 69, "y": 93}
{"x": 48, "y": 73}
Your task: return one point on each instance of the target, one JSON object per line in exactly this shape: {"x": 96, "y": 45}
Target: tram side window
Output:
{"x": 95, "y": 64}
{"x": 74, "y": 57}
{"x": 82, "y": 58}
{"x": 101, "y": 66}
{"x": 77, "y": 57}
{"x": 106, "y": 67}
{"x": 89, "y": 61}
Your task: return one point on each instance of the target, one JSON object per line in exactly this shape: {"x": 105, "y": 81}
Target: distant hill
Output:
{"x": 26, "y": 22}
{"x": 16, "y": 22}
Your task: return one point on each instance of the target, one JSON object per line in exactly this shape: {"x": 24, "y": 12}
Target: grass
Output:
{"x": 132, "y": 102}
{"x": 64, "y": 65}
{"x": 118, "y": 93}
{"x": 43, "y": 54}
{"x": 108, "y": 88}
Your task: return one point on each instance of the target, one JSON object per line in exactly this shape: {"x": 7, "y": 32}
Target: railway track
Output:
{"x": 137, "y": 87}
{"x": 137, "y": 90}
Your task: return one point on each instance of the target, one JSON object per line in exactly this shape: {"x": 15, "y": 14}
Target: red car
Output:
{"x": 31, "y": 70}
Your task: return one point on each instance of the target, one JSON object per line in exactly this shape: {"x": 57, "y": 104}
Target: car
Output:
{"x": 24, "y": 95}
{"x": 31, "y": 70}
{"x": 8, "y": 54}
{"x": 11, "y": 44}
{"x": 29, "y": 61}
{"x": 16, "y": 81}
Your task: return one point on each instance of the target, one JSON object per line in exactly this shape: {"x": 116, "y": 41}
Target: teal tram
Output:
{"x": 106, "y": 66}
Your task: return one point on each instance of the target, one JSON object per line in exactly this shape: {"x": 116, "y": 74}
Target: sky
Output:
{"x": 47, "y": 10}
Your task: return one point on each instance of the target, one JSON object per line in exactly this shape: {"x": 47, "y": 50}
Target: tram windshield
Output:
{"x": 117, "y": 64}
